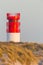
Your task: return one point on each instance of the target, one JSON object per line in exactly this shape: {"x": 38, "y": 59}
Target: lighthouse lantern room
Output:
{"x": 13, "y": 27}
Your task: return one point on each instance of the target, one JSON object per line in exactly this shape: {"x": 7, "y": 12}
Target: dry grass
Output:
{"x": 20, "y": 53}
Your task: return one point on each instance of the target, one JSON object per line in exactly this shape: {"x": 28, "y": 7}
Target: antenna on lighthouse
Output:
{"x": 13, "y": 27}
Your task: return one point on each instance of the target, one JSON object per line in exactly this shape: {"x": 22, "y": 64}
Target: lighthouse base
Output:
{"x": 14, "y": 37}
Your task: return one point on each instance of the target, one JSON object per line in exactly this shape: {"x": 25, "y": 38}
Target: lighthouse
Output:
{"x": 13, "y": 27}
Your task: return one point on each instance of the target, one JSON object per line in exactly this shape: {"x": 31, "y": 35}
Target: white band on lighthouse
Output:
{"x": 14, "y": 37}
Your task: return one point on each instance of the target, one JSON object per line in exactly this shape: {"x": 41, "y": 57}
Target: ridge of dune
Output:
{"x": 21, "y": 53}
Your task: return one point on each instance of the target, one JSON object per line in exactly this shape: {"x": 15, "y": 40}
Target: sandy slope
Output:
{"x": 22, "y": 53}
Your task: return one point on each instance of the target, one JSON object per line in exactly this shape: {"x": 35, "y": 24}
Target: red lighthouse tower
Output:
{"x": 13, "y": 27}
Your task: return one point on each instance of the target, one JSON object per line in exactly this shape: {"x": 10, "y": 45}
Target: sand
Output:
{"x": 21, "y": 53}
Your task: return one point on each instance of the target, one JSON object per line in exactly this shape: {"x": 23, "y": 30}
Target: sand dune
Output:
{"x": 22, "y": 53}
